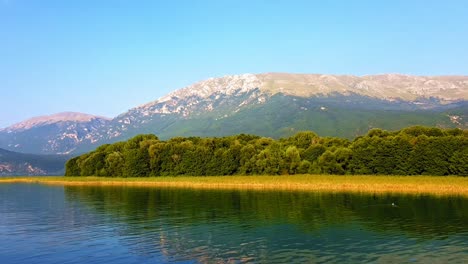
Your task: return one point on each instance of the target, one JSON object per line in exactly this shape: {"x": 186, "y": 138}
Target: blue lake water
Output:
{"x": 50, "y": 224}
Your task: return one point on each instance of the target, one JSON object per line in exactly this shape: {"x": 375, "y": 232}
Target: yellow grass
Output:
{"x": 447, "y": 185}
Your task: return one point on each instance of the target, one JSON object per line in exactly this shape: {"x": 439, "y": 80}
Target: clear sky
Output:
{"x": 104, "y": 57}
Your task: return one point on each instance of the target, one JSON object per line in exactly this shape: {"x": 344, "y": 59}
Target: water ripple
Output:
{"x": 40, "y": 224}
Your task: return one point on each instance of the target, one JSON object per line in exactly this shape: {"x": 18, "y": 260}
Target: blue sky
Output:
{"x": 104, "y": 57}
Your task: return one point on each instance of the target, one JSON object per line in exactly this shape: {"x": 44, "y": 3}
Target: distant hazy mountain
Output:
{"x": 272, "y": 104}
{"x": 14, "y": 163}
{"x": 55, "y": 134}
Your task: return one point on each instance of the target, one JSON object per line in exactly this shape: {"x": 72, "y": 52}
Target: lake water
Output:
{"x": 49, "y": 224}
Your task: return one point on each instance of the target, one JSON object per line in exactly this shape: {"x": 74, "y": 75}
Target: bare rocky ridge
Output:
{"x": 212, "y": 94}
{"x": 52, "y": 119}
{"x": 53, "y": 134}
{"x": 385, "y": 86}
{"x": 447, "y": 89}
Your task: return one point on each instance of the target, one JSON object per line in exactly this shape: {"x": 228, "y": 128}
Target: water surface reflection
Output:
{"x": 134, "y": 224}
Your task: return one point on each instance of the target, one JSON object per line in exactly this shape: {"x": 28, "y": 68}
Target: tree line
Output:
{"x": 410, "y": 151}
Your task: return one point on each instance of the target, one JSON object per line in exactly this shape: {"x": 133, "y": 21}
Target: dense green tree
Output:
{"x": 416, "y": 131}
{"x": 328, "y": 164}
{"x": 312, "y": 153}
{"x": 137, "y": 163}
{"x": 114, "y": 164}
{"x": 93, "y": 164}
{"x": 377, "y": 132}
{"x": 304, "y": 167}
{"x": 246, "y": 159}
{"x": 414, "y": 150}
{"x": 72, "y": 167}
{"x": 459, "y": 162}
{"x": 269, "y": 161}
{"x": 429, "y": 156}
{"x": 303, "y": 139}
{"x": 293, "y": 159}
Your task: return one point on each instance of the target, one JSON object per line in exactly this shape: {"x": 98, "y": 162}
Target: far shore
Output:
{"x": 431, "y": 185}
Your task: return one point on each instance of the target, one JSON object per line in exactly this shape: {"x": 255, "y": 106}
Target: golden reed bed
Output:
{"x": 433, "y": 185}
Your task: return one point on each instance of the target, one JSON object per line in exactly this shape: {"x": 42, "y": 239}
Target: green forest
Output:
{"x": 411, "y": 151}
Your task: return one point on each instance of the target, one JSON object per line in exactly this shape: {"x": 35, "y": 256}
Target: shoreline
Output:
{"x": 419, "y": 185}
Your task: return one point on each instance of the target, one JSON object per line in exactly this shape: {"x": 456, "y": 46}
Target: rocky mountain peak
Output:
{"x": 224, "y": 96}
{"x": 52, "y": 134}
{"x": 383, "y": 86}
{"x": 54, "y": 118}
{"x": 227, "y": 85}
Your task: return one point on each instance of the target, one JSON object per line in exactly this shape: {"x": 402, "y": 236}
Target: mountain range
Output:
{"x": 270, "y": 104}
{"x": 14, "y": 163}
